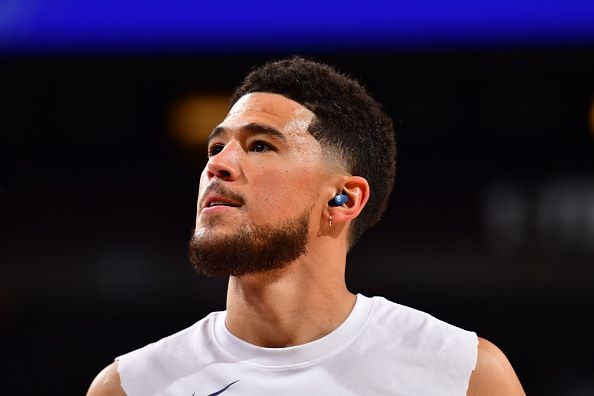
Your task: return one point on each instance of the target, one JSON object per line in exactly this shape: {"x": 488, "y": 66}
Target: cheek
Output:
{"x": 203, "y": 179}
{"x": 273, "y": 195}
{"x": 287, "y": 192}
{"x": 203, "y": 183}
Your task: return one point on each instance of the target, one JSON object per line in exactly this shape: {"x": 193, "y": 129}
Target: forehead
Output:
{"x": 273, "y": 110}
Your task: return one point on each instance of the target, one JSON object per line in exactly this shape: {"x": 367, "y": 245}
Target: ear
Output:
{"x": 357, "y": 188}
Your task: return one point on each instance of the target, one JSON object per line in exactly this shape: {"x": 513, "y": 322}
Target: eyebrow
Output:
{"x": 252, "y": 128}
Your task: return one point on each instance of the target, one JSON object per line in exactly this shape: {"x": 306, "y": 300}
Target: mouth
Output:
{"x": 219, "y": 198}
{"x": 213, "y": 204}
{"x": 219, "y": 202}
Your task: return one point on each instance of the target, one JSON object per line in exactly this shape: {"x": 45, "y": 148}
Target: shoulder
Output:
{"x": 444, "y": 348}
{"x": 414, "y": 324}
{"x": 151, "y": 366}
{"x": 107, "y": 383}
{"x": 493, "y": 374}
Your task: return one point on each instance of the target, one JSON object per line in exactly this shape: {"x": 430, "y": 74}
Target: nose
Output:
{"x": 225, "y": 164}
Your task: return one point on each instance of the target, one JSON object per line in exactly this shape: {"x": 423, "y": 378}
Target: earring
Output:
{"x": 330, "y": 220}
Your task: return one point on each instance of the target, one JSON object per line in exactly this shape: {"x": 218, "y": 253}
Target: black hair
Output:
{"x": 347, "y": 121}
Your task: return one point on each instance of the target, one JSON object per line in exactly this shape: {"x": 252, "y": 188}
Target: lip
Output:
{"x": 218, "y": 208}
{"x": 219, "y": 198}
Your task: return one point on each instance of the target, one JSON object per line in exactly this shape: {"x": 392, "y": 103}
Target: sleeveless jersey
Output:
{"x": 382, "y": 348}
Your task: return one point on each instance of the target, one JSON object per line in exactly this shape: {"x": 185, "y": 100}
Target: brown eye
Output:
{"x": 215, "y": 149}
{"x": 260, "y": 147}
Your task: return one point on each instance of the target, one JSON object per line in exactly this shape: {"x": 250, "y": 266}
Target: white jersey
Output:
{"x": 382, "y": 348}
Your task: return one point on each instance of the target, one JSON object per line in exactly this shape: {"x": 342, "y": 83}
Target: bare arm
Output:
{"x": 107, "y": 383}
{"x": 493, "y": 374}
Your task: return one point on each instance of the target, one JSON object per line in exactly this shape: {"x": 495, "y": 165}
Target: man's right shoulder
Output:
{"x": 107, "y": 383}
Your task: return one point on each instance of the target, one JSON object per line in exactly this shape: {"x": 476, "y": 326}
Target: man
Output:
{"x": 301, "y": 166}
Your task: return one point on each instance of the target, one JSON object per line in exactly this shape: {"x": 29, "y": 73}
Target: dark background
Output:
{"x": 490, "y": 226}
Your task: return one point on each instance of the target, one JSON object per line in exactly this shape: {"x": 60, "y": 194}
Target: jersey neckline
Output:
{"x": 294, "y": 356}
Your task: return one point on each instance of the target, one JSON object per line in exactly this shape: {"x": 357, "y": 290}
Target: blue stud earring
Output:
{"x": 338, "y": 200}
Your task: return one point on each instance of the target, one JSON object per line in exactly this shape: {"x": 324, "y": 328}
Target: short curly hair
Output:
{"x": 347, "y": 121}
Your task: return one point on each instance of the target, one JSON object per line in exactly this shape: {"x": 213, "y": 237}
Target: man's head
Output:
{"x": 297, "y": 133}
{"x": 347, "y": 122}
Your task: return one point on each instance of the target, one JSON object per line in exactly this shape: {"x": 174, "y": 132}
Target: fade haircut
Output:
{"x": 347, "y": 122}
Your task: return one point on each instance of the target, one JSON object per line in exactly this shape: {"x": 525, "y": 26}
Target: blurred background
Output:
{"x": 105, "y": 107}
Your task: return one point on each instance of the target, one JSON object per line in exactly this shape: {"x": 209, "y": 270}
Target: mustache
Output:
{"x": 220, "y": 189}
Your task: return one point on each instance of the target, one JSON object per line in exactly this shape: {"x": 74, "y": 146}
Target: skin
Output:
{"x": 309, "y": 298}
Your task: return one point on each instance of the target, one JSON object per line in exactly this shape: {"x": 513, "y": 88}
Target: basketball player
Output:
{"x": 301, "y": 166}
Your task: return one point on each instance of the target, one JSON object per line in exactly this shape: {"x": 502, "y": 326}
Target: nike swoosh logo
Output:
{"x": 222, "y": 390}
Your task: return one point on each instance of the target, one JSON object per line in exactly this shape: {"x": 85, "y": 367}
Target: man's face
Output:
{"x": 259, "y": 189}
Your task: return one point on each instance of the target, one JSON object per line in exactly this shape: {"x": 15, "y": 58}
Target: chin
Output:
{"x": 216, "y": 226}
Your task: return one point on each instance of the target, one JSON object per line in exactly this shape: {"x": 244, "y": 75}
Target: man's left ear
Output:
{"x": 357, "y": 189}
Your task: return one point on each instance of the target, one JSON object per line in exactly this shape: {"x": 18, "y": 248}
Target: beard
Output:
{"x": 248, "y": 251}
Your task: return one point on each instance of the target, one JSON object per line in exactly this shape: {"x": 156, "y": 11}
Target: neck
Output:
{"x": 298, "y": 304}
